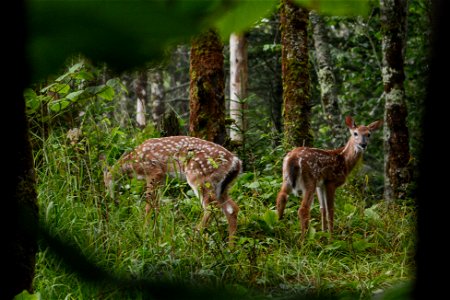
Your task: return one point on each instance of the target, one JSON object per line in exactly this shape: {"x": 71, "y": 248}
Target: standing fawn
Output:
{"x": 208, "y": 168}
{"x": 315, "y": 170}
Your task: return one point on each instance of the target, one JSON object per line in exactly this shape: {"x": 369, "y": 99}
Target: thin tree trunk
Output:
{"x": 327, "y": 81}
{"x": 396, "y": 143}
{"x": 238, "y": 85}
{"x": 122, "y": 115}
{"x": 140, "y": 88}
{"x": 157, "y": 97}
{"x": 295, "y": 75}
{"x": 207, "y": 88}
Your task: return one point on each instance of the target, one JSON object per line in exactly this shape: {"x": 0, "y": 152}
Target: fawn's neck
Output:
{"x": 351, "y": 154}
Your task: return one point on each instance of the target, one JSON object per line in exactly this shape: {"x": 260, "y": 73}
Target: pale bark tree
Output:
{"x": 140, "y": 89}
{"x": 207, "y": 88}
{"x": 295, "y": 75}
{"x": 238, "y": 85}
{"x": 327, "y": 81}
{"x": 122, "y": 115}
{"x": 157, "y": 96}
{"x": 396, "y": 141}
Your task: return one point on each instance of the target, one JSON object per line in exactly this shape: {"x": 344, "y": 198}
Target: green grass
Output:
{"x": 371, "y": 250}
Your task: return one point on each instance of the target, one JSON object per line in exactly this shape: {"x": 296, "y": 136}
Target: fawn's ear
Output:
{"x": 350, "y": 122}
{"x": 375, "y": 125}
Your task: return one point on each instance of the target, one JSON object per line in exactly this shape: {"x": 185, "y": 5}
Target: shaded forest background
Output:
{"x": 94, "y": 108}
{"x": 355, "y": 48}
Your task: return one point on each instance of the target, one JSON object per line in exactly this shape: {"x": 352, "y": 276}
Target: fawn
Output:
{"x": 323, "y": 171}
{"x": 208, "y": 168}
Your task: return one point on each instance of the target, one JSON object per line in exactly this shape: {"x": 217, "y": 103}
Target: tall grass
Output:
{"x": 371, "y": 251}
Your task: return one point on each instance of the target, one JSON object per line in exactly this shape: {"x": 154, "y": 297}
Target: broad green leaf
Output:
{"x": 32, "y": 100}
{"x": 107, "y": 93}
{"x": 76, "y": 67}
{"x": 74, "y": 95}
{"x": 60, "y": 88}
{"x": 253, "y": 185}
{"x": 242, "y": 16}
{"x": 117, "y": 84}
{"x": 84, "y": 75}
{"x": 103, "y": 91}
{"x": 337, "y": 7}
{"x": 59, "y": 105}
{"x": 29, "y": 94}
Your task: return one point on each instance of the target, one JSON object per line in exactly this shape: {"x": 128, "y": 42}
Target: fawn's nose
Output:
{"x": 363, "y": 145}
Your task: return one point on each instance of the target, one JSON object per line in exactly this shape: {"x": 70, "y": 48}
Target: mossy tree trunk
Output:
{"x": 327, "y": 81}
{"x": 396, "y": 136}
{"x": 207, "y": 88}
{"x": 295, "y": 75}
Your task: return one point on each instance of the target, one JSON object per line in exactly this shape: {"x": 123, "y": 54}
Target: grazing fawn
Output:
{"x": 315, "y": 170}
{"x": 208, "y": 168}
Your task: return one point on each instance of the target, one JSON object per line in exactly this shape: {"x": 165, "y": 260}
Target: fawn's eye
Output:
{"x": 355, "y": 133}
{"x": 368, "y": 135}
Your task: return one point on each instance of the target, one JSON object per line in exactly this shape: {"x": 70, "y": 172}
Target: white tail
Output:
{"x": 208, "y": 168}
{"x": 315, "y": 170}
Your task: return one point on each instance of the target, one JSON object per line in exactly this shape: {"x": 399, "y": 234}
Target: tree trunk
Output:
{"x": 238, "y": 85}
{"x": 396, "y": 143}
{"x": 140, "y": 88}
{"x": 122, "y": 115}
{"x": 207, "y": 88}
{"x": 295, "y": 75}
{"x": 19, "y": 221}
{"x": 327, "y": 81}
{"x": 157, "y": 97}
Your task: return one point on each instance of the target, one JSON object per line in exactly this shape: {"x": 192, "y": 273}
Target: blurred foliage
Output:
{"x": 127, "y": 34}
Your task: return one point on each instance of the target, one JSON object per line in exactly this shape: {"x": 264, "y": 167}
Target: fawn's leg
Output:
{"x": 206, "y": 199}
{"x": 305, "y": 209}
{"x": 330, "y": 193}
{"x": 321, "y": 195}
{"x": 282, "y": 198}
{"x": 153, "y": 182}
{"x": 231, "y": 210}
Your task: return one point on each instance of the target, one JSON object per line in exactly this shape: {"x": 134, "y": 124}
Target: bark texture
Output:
{"x": 238, "y": 85}
{"x": 140, "y": 88}
{"x": 295, "y": 75}
{"x": 207, "y": 88}
{"x": 327, "y": 81}
{"x": 396, "y": 142}
{"x": 157, "y": 97}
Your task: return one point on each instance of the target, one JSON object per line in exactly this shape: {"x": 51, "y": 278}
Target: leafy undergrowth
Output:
{"x": 370, "y": 252}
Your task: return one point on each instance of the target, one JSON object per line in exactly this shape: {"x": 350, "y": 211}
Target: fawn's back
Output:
{"x": 208, "y": 168}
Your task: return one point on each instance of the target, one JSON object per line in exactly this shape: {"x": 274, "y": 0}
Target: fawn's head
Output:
{"x": 360, "y": 134}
